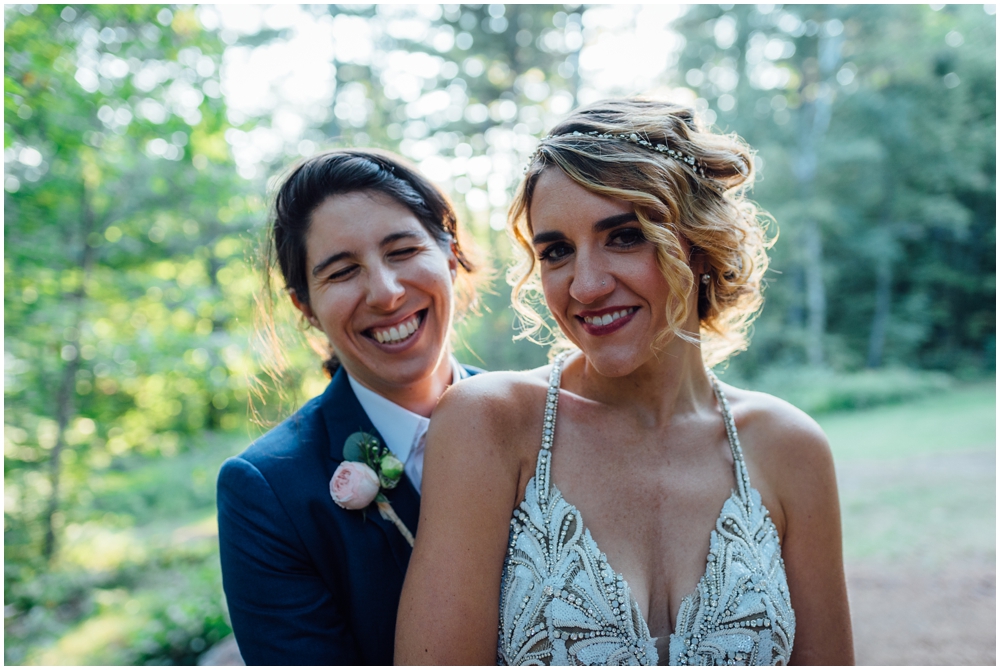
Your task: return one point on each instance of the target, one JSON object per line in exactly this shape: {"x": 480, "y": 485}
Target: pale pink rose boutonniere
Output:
{"x": 368, "y": 468}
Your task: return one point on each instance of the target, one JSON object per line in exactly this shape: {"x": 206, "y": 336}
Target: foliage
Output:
{"x": 138, "y": 583}
{"x": 898, "y": 180}
{"x": 125, "y": 283}
{"x": 819, "y": 391}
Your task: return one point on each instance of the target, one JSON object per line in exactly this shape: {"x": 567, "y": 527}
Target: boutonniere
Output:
{"x": 368, "y": 468}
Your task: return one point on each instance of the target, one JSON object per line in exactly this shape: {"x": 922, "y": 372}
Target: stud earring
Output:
{"x": 705, "y": 278}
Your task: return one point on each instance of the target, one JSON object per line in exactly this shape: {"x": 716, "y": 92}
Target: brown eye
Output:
{"x": 627, "y": 237}
{"x": 555, "y": 252}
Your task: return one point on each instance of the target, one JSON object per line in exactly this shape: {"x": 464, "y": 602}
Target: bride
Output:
{"x": 623, "y": 506}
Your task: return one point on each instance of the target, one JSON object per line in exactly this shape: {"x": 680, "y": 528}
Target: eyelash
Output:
{"x": 399, "y": 254}
{"x": 547, "y": 253}
{"x": 636, "y": 233}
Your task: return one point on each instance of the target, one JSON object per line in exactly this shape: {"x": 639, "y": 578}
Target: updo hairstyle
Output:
{"x": 697, "y": 195}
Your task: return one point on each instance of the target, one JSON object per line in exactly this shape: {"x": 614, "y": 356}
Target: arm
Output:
{"x": 449, "y": 608}
{"x": 812, "y": 547}
{"x": 282, "y": 612}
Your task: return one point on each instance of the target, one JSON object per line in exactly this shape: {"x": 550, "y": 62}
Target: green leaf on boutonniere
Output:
{"x": 357, "y": 447}
{"x": 352, "y": 447}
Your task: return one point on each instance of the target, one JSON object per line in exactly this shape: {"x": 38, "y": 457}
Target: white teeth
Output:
{"x": 607, "y": 318}
{"x": 399, "y": 332}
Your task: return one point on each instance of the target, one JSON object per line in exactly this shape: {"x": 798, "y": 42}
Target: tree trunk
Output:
{"x": 883, "y": 305}
{"x": 815, "y": 293}
{"x": 814, "y": 121}
{"x": 65, "y": 407}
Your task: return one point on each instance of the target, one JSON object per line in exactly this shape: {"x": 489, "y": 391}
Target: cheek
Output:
{"x": 434, "y": 278}
{"x": 334, "y": 308}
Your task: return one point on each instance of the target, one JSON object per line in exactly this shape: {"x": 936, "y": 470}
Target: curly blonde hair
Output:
{"x": 703, "y": 203}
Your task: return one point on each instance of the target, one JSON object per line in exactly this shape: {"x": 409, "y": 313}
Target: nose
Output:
{"x": 385, "y": 292}
{"x": 592, "y": 280}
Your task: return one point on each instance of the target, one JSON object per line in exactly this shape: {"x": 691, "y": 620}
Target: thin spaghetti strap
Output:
{"x": 742, "y": 477}
{"x": 544, "y": 465}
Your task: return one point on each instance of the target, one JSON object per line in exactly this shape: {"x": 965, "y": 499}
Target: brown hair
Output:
{"x": 697, "y": 195}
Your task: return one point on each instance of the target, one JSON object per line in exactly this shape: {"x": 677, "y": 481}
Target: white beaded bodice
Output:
{"x": 561, "y": 603}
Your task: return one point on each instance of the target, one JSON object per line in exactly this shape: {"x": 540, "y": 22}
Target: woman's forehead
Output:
{"x": 557, "y": 200}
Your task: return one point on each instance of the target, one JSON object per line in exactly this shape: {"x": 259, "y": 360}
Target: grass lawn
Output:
{"x": 960, "y": 420}
{"x": 918, "y": 480}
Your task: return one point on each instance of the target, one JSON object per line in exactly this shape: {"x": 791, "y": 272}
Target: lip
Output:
{"x": 396, "y": 347}
{"x": 612, "y": 327}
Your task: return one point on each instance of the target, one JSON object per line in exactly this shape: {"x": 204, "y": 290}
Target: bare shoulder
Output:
{"x": 494, "y": 410}
{"x": 776, "y": 429}
{"x": 786, "y": 450}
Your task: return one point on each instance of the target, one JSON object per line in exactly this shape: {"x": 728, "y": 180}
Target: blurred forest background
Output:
{"x": 140, "y": 143}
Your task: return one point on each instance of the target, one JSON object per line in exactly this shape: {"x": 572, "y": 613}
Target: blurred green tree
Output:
{"x": 875, "y": 129}
{"x": 124, "y": 273}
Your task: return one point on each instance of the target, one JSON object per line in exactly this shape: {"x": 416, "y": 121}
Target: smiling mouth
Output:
{"x": 607, "y": 319}
{"x": 398, "y": 333}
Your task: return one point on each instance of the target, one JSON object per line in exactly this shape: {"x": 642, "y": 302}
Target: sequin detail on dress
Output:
{"x": 561, "y": 603}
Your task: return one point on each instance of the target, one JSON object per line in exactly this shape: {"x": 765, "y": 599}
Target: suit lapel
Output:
{"x": 344, "y": 415}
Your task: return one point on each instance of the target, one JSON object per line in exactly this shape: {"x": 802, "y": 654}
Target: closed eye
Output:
{"x": 403, "y": 253}
{"x": 342, "y": 274}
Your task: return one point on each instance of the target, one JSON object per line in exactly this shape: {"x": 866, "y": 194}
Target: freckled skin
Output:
{"x": 640, "y": 449}
{"x": 381, "y": 284}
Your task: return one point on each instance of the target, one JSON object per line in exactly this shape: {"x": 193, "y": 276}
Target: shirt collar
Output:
{"x": 399, "y": 427}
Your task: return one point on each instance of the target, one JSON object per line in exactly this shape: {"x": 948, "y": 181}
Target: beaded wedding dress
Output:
{"x": 561, "y": 603}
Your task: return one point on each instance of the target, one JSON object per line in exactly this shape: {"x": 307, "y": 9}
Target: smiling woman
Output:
{"x": 712, "y": 532}
{"x": 316, "y": 518}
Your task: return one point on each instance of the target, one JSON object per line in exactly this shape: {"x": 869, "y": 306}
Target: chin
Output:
{"x": 406, "y": 370}
{"x": 617, "y": 361}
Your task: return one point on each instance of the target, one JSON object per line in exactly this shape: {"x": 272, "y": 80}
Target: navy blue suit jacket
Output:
{"x": 306, "y": 582}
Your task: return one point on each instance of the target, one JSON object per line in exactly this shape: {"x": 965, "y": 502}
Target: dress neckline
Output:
{"x": 546, "y": 489}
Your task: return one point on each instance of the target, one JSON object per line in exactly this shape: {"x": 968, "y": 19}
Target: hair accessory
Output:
{"x": 705, "y": 278}
{"x": 624, "y": 137}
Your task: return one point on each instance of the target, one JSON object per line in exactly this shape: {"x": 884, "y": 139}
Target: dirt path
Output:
{"x": 920, "y": 541}
{"x": 920, "y": 616}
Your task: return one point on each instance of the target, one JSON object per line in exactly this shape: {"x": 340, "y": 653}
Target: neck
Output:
{"x": 419, "y": 396}
{"x": 672, "y": 382}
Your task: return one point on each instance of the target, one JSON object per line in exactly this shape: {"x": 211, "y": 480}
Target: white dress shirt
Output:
{"x": 403, "y": 431}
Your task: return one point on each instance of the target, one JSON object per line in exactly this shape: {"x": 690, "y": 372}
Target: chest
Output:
{"x": 650, "y": 499}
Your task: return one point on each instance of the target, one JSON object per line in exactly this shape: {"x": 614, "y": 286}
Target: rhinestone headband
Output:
{"x": 624, "y": 137}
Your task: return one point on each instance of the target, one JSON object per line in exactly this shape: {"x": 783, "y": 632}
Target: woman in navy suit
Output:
{"x": 369, "y": 254}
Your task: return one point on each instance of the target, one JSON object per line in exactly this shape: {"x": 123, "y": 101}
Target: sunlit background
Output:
{"x": 141, "y": 144}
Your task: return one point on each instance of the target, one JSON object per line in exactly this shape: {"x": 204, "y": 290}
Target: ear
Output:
{"x": 304, "y": 308}
{"x": 698, "y": 261}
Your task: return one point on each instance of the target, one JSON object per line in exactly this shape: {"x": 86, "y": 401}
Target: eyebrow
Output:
{"x": 606, "y": 223}
{"x": 386, "y": 241}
